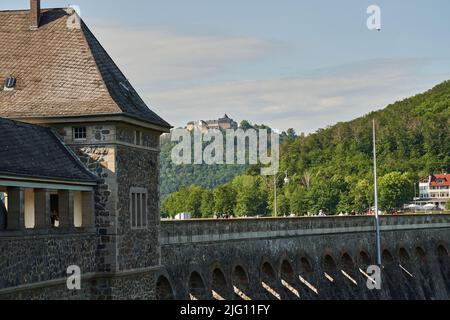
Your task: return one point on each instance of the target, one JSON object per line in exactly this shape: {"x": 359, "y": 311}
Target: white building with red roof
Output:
{"x": 434, "y": 189}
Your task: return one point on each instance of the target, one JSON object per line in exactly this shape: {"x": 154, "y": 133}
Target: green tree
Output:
{"x": 224, "y": 199}
{"x": 193, "y": 200}
{"x": 245, "y": 125}
{"x": 207, "y": 204}
{"x": 325, "y": 194}
{"x": 299, "y": 202}
{"x": 447, "y": 206}
{"x": 362, "y": 195}
{"x": 283, "y": 205}
{"x": 251, "y": 197}
{"x": 396, "y": 189}
{"x": 345, "y": 203}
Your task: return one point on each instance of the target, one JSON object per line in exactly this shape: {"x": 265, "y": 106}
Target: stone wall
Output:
{"x": 137, "y": 248}
{"x": 149, "y": 139}
{"x": 291, "y": 256}
{"x": 30, "y": 257}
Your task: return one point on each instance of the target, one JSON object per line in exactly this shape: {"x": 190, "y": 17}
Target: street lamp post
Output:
{"x": 275, "y": 178}
{"x": 377, "y": 217}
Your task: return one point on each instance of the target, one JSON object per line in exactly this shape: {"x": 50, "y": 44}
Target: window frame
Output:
{"x": 138, "y": 136}
{"x": 138, "y": 208}
{"x": 74, "y": 133}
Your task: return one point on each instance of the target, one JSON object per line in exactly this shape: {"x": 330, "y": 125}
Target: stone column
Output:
{"x": 66, "y": 208}
{"x": 16, "y": 209}
{"x": 42, "y": 208}
{"x": 87, "y": 200}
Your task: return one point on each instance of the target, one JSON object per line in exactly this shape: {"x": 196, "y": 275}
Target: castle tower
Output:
{"x": 65, "y": 80}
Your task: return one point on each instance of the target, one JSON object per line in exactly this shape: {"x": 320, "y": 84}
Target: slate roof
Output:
{"x": 28, "y": 150}
{"x": 62, "y": 72}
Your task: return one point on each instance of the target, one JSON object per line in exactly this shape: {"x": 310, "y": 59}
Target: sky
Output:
{"x": 286, "y": 63}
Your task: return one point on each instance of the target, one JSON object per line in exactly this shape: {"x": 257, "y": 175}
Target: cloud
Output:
{"x": 178, "y": 75}
{"x": 304, "y": 103}
{"x": 156, "y": 56}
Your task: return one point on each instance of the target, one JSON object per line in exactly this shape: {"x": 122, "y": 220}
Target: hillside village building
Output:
{"x": 434, "y": 190}
{"x": 79, "y": 156}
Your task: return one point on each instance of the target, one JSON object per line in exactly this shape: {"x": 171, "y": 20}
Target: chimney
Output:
{"x": 35, "y": 14}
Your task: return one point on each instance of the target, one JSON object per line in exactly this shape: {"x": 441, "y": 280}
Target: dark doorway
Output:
{"x": 54, "y": 210}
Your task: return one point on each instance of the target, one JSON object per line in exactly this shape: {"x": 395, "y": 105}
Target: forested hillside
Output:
{"x": 332, "y": 168}
{"x": 173, "y": 177}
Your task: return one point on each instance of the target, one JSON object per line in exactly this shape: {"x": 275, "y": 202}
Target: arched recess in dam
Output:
{"x": 196, "y": 287}
{"x": 424, "y": 273}
{"x": 219, "y": 285}
{"x": 307, "y": 278}
{"x": 331, "y": 285}
{"x": 409, "y": 274}
{"x": 269, "y": 283}
{"x": 387, "y": 258}
{"x": 405, "y": 264}
{"x": 348, "y": 268}
{"x": 421, "y": 255}
{"x": 391, "y": 276}
{"x": 444, "y": 265}
{"x": 241, "y": 283}
{"x": 164, "y": 289}
{"x": 288, "y": 281}
{"x": 329, "y": 266}
{"x": 364, "y": 260}
{"x": 349, "y": 275}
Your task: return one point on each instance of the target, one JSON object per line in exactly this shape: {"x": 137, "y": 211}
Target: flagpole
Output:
{"x": 377, "y": 217}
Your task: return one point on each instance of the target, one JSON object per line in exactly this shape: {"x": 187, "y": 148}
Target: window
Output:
{"x": 79, "y": 133}
{"x": 138, "y": 138}
{"x": 10, "y": 83}
{"x": 138, "y": 208}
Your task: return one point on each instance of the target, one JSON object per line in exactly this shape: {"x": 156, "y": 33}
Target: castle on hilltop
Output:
{"x": 223, "y": 123}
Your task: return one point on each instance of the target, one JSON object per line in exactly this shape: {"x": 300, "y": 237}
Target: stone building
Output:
{"x": 220, "y": 124}
{"x": 57, "y": 75}
{"x": 434, "y": 190}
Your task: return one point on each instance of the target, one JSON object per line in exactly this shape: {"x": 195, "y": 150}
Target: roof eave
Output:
{"x": 41, "y": 179}
{"x": 106, "y": 117}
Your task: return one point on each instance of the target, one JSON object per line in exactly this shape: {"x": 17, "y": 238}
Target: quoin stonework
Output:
{"x": 79, "y": 186}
